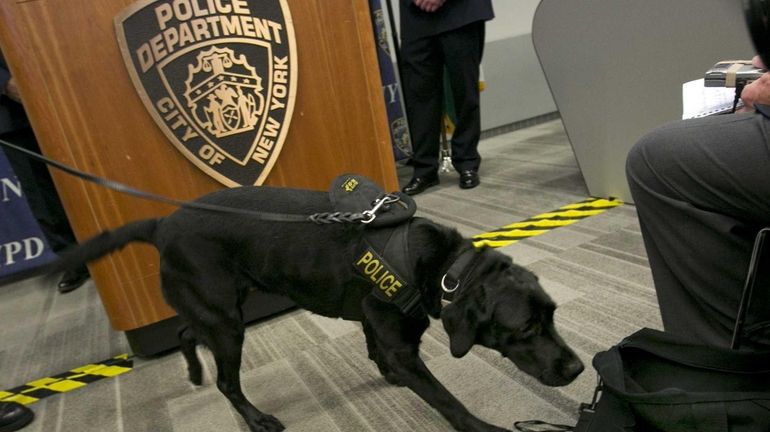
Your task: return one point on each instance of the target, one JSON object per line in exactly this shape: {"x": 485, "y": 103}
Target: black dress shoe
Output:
{"x": 14, "y": 416}
{"x": 419, "y": 184}
{"x": 469, "y": 179}
{"x": 73, "y": 279}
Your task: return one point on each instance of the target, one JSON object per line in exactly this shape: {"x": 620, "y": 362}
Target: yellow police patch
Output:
{"x": 381, "y": 275}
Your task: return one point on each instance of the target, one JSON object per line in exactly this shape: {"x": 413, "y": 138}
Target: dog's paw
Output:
{"x": 392, "y": 379}
{"x": 389, "y": 375}
{"x": 267, "y": 423}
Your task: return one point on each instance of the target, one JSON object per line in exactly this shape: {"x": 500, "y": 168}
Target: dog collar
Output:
{"x": 458, "y": 273}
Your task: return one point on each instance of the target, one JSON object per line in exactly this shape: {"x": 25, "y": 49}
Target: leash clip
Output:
{"x": 371, "y": 215}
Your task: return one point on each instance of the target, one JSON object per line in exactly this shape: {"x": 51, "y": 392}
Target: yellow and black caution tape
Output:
{"x": 74, "y": 379}
{"x": 545, "y": 222}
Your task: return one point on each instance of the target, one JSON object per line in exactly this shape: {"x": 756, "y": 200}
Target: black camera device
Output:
{"x": 732, "y": 73}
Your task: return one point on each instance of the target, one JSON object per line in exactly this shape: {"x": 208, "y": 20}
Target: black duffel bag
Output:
{"x": 654, "y": 381}
{"x": 659, "y": 382}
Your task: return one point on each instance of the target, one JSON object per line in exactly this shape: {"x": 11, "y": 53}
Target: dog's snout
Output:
{"x": 564, "y": 372}
{"x": 573, "y": 368}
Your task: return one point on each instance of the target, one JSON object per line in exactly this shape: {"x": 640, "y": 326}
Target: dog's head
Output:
{"x": 505, "y": 308}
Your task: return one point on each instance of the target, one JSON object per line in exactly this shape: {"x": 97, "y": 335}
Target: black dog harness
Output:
{"x": 384, "y": 262}
{"x": 382, "y": 258}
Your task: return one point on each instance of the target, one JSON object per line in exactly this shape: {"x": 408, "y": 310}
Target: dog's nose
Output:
{"x": 573, "y": 369}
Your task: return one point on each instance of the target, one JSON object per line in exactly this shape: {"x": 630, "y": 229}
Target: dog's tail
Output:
{"x": 105, "y": 243}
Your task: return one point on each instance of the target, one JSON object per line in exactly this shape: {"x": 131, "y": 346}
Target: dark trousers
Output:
{"x": 39, "y": 190}
{"x": 702, "y": 191}
{"x": 422, "y": 73}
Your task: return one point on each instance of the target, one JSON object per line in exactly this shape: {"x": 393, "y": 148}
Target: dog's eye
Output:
{"x": 532, "y": 329}
{"x": 512, "y": 335}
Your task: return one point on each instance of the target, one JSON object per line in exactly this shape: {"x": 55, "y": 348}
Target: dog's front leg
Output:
{"x": 376, "y": 356}
{"x": 397, "y": 338}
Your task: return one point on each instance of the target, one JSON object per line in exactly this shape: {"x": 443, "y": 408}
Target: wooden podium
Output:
{"x": 86, "y": 113}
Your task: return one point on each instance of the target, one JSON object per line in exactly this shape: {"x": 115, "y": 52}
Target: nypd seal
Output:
{"x": 218, "y": 77}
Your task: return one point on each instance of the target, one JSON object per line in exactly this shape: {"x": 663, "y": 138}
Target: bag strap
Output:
{"x": 541, "y": 426}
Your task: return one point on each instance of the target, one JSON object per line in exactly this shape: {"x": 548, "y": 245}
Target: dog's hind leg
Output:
{"x": 224, "y": 336}
{"x": 211, "y": 307}
{"x": 398, "y": 342}
{"x": 226, "y": 347}
{"x": 187, "y": 343}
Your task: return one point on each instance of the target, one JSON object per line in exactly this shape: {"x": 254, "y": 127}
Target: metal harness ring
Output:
{"x": 449, "y": 290}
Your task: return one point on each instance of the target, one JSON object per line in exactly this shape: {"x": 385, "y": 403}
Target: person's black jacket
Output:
{"x": 454, "y": 14}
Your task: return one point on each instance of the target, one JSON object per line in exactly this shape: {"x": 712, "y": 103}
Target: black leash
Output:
{"x": 364, "y": 217}
{"x": 585, "y": 416}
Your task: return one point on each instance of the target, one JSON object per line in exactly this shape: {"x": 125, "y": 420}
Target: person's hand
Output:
{"x": 12, "y": 90}
{"x": 757, "y": 92}
{"x": 757, "y": 62}
{"x": 429, "y": 5}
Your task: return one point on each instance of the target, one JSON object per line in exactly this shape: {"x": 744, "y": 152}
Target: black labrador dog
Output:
{"x": 390, "y": 278}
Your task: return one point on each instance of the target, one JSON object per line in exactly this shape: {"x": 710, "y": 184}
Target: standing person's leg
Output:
{"x": 463, "y": 49}
{"x": 422, "y": 74}
{"x": 702, "y": 191}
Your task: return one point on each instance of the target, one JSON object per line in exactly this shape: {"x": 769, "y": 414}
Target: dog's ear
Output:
{"x": 461, "y": 320}
{"x": 462, "y": 333}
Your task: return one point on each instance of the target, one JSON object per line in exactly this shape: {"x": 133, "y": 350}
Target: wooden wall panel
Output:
{"x": 86, "y": 113}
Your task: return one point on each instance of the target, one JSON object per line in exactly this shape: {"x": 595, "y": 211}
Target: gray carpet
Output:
{"x": 313, "y": 372}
